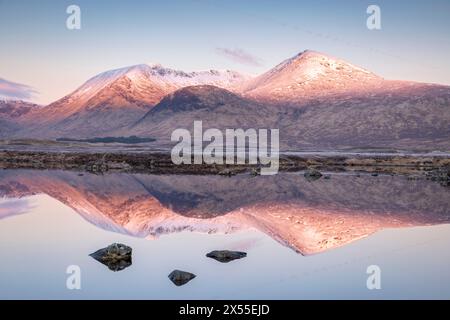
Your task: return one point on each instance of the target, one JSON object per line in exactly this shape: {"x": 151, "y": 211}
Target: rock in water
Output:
{"x": 226, "y": 172}
{"x": 225, "y": 255}
{"x": 312, "y": 174}
{"x": 180, "y": 278}
{"x": 116, "y": 256}
{"x": 441, "y": 175}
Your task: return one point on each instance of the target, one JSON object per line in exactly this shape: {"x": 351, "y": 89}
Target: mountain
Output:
{"x": 12, "y": 113}
{"x": 396, "y": 115}
{"x": 410, "y": 117}
{"x": 216, "y": 107}
{"x": 315, "y": 100}
{"x": 308, "y": 75}
{"x": 116, "y": 99}
{"x": 308, "y": 217}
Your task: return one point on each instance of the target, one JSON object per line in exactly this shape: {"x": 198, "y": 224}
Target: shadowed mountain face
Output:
{"x": 216, "y": 107}
{"x": 398, "y": 115}
{"x": 308, "y": 217}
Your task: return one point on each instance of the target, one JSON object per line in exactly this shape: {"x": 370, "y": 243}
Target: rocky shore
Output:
{"x": 435, "y": 167}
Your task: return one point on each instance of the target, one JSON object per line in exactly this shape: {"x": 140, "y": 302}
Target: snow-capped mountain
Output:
{"x": 307, "y": 75}
{"x": 146, "y": 83}
{"x": 118, "y": 98}
{"x": 316, "y": 101}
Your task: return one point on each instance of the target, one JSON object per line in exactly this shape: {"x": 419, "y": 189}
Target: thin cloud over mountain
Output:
{"x": 240, "y": 56}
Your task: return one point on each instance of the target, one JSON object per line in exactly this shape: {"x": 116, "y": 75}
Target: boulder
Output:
{"x": 180, "y": 278}
{"x": 441, "y": 175}
{"x": 226, "y": 255}
{"x": 312, "y": 174}
{"x": 227, "y": 172}
{"x": 116, "y": 256}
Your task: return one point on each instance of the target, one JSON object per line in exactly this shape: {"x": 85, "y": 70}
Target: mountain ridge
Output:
{"x": 317, "y": 101}
{"x": 116, "y": 99}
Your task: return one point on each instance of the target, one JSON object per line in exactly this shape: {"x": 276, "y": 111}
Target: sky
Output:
{"x": 41, "y": 60}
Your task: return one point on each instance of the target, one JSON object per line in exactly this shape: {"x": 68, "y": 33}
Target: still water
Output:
{"x": 304, "y": 239}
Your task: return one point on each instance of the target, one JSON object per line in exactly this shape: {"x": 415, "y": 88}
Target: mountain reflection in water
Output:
{"x": 309, "y": 217}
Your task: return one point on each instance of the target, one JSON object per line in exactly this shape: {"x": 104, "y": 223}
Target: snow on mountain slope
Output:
{"x": 116, "y": 99}
{"x": 307, "y": 75}
{"x": 142, "y": 76}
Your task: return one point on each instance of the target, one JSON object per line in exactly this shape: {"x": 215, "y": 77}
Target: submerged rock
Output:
{"x": 312, "y": 175}
{"x": 225, "y": 255}
{"x": 180, "y": 278}
{"x": 98, "y": 166}
{"x": 227, "y": 173}
{"x": 116, "y": 256}
{"x": 441, "y": 175}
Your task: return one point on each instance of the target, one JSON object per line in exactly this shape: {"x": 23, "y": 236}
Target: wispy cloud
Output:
{"x": 9, "y": 89}
{"x": 240, "y": 56}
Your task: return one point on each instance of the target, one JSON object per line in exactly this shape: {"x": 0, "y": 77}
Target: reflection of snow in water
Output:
{"x": 246, "y": 244}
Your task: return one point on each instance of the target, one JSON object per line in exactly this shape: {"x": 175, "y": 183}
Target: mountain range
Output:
{"x": 316, "y": 101}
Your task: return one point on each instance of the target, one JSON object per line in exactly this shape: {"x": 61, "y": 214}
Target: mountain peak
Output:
{"x": 309, "y": 73}
{"x": 310, "y": 53}
{"x": 313, "y": 63}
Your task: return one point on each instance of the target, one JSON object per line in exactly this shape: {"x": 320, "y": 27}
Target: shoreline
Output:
{"x": 159, "y": 162}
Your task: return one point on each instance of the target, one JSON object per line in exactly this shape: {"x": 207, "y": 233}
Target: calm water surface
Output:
{"x": 304, "y": 239}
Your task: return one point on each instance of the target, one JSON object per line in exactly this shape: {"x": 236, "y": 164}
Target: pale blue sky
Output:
{"x": 39, "y": 51}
